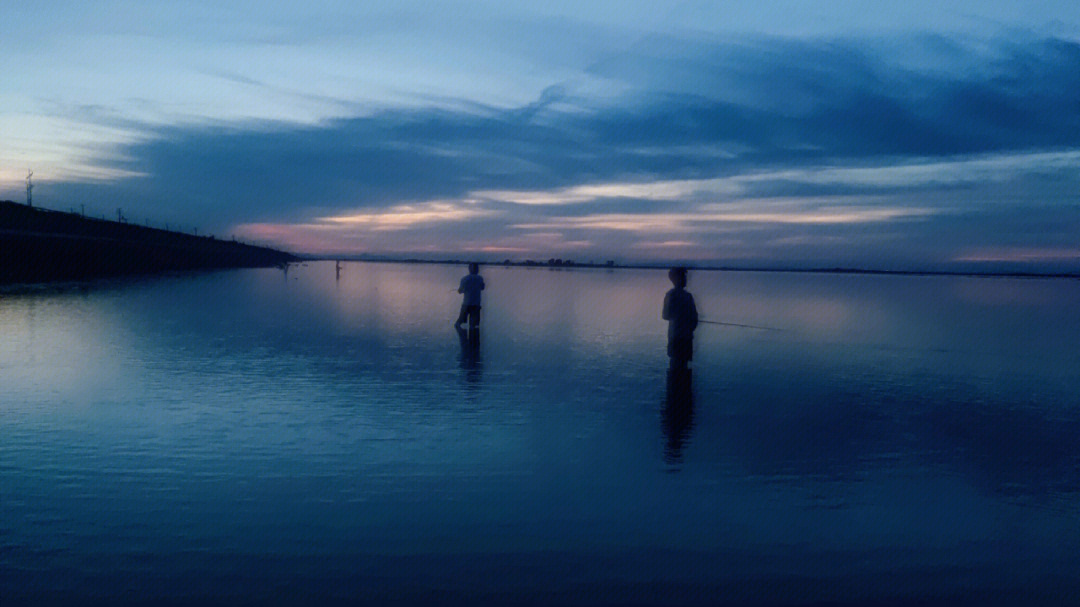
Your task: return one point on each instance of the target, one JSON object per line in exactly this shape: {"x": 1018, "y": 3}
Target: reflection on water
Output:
{"x": 470, "y": 352}
{"x": 321, "y": 436}
{"x": 678, "y": 412}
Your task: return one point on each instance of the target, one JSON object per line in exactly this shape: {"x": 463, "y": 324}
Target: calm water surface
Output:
{"x": 256, "y": 437}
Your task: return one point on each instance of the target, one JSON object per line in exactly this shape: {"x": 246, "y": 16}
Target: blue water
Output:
{"x": 259, "y": 437}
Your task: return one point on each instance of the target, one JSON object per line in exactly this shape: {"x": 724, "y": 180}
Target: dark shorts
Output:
{"x": 470, "y": 313}
{"x": 681, "y": 348}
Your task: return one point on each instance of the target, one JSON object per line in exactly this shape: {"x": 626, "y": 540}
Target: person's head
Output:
{"x": 677, "y": 276}
{"x": 474, "y": 268}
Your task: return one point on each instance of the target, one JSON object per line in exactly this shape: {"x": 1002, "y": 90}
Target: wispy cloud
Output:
{"x": 655, "y": 190}
{"x": 700, "y": 221}
{"x": 406, "y": 215}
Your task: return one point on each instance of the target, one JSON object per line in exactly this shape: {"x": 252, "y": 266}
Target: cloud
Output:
{"x": 705, "y": 220}
{"x": 403, "y": 216}
{"x": 687, "y": 134}
{"x": 651, "y": 190}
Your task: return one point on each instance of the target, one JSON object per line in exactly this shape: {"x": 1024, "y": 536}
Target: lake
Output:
{"x": 257, "y": 436}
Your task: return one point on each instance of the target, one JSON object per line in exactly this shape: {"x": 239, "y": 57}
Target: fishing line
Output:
{"x": 735, "y": 324}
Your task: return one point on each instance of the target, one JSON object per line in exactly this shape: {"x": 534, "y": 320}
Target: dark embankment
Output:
{"x": 39, "y": 245}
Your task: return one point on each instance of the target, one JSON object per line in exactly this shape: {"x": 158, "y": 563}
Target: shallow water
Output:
{"x": 256, "y": 436}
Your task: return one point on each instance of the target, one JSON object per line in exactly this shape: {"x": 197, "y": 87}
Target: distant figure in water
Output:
{"x": 681, "y": 314}
{"x": 471, "y": 285}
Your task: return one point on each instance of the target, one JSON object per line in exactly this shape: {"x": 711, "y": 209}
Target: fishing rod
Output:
{"x": 735, "y": 324}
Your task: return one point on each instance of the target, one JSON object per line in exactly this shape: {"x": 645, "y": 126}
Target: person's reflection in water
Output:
{"x": 678, "y": 417}
{"x": 470, "y": 352}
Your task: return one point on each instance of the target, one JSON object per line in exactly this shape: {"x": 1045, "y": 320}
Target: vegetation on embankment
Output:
{"x": 39, "y": 245}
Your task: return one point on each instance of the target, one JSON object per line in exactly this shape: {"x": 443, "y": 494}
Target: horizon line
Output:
{"x": 570, "y": 264}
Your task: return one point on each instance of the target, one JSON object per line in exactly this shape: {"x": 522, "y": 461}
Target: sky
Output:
{"x": 913, "y": 135}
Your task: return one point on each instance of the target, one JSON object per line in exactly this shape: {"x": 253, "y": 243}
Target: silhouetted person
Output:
{"x": 678, "y": 412}
{"x": 681, "y": 314}
{"x": 471, "y": 285}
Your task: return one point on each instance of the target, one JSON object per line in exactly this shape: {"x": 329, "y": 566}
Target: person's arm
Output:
{"x": 461, "y": 286}
{"x": 481, "y": 283}
{"x": 666, "y": 314}
{"x": 693, "y": 311}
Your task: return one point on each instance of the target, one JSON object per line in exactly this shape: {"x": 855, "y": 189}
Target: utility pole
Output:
{"x": 29, "y": 187}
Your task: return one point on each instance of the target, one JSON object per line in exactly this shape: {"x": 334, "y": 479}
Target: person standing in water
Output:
{"x": 471, "y": 285}
{"x": 681, "y": 314}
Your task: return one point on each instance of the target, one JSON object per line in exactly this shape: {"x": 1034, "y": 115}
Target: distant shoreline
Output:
{"x": 706, "y": 268}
